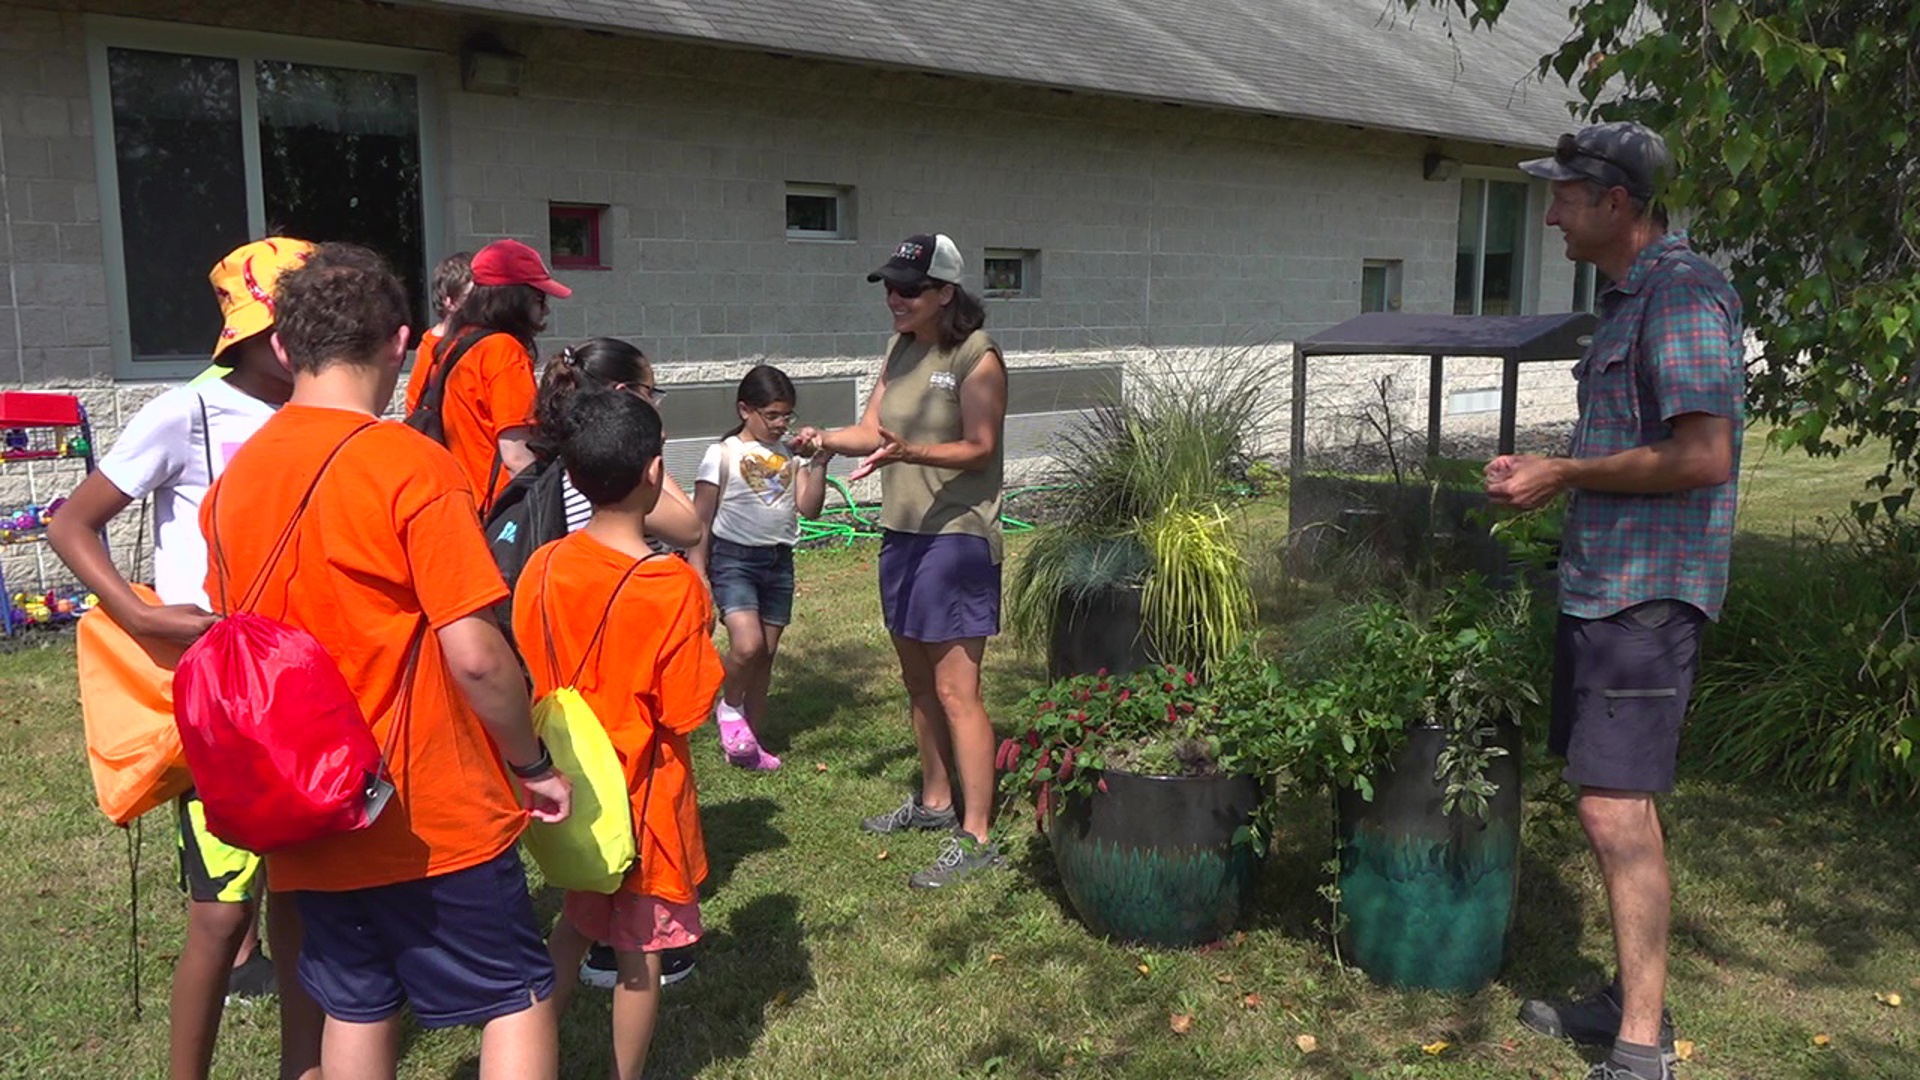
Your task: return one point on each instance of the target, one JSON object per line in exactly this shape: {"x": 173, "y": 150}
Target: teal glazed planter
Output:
{"x": 1152, "y": 858}
{"x": 1428, "y": 898}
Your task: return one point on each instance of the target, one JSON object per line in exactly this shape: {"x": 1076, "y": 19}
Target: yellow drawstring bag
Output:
{"x": 594, "y": 847}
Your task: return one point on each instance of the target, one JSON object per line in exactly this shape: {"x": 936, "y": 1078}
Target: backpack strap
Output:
{"x": 252, "y": 595}
{"x": 435, "y": 393}
{"x": 206, "y": 435}
{"x": 606, "y": 613}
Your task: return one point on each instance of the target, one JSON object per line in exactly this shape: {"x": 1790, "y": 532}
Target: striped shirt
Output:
{"x": 1668, "y": 344}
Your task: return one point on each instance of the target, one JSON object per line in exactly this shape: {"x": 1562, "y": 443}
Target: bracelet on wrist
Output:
{"x": 536, "y": 768}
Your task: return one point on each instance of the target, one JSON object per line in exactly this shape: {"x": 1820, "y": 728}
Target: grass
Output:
{"x": 1792, "y": 914}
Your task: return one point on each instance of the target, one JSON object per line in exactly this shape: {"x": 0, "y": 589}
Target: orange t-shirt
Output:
{"x": 389, "y": 535}
{"x": 490, "y": 391}
{"x": 422, "y": 369}
{"x": 651, "y": 679}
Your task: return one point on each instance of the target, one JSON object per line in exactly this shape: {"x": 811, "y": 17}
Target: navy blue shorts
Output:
{"x": 1620, "y": 690}
{"x": 747, "y": 578}
{"x": 461, "y": 948}
{"x": 939, "y": 587}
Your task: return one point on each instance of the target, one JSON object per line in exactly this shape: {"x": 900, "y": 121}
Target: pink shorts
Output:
{"x": 631, "y": 922}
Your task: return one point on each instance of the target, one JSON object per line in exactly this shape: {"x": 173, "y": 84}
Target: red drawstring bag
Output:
{"x": 279, "y": 750}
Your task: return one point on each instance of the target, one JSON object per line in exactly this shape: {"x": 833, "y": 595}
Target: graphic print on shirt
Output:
{"x": 768, "y": 475}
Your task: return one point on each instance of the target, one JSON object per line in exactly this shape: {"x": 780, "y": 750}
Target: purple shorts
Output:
{"x": 939, "y": 587}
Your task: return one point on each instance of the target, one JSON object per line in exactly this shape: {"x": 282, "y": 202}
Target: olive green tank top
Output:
{"x": 922, "y": 405}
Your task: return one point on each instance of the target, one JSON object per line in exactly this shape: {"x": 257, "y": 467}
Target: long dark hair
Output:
{"x": 960, "y": 317}
{"x": 761, "y": 387}
{"x": 602, "y": 363}
{"x": 503, "y": 309}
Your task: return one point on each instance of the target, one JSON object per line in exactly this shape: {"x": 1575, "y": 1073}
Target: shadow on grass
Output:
{"x": 736, "y": 829}
{"x": 818, "y": 687}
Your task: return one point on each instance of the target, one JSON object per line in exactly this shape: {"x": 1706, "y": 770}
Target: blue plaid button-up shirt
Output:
{"x": 1669, "y": 343}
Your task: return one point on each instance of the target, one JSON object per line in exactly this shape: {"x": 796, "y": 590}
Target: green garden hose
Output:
{"x": 842, "y": 525}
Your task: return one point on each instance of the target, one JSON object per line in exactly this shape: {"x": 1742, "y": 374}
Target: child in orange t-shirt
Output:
{"x": 636, "y": 626}
{"x": 428, "y": 905}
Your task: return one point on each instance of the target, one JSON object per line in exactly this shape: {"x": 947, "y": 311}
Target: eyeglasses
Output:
{"x": 1568, "y": 150}
{"x": 775, "y": 417}
{"x": 909, "y": 292}
{"x": 647, "y": 392}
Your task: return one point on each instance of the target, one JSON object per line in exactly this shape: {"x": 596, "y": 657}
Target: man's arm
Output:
{"x": 487, "y": 675}
{"x": 1698, "y": 454}
{"x": 515, "y": 455}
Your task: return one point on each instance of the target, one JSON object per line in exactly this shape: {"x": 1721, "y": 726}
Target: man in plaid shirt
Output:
{"x": 1650, "y": 484}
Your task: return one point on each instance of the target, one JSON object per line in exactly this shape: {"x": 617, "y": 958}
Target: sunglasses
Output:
{"x": 1568, "y": 151}
{"x": 909, "y": 292}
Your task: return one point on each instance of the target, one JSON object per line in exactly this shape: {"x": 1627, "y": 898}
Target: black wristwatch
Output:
{"x": 536, "y": 768}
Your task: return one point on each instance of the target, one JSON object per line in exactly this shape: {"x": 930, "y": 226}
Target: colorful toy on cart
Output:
{"x": 58, "y": 606}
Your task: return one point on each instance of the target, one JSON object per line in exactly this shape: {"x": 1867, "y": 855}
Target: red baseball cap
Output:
{"x": 510, "y": 262}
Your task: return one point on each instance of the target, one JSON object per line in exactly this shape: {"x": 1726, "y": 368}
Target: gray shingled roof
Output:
{"x": 1363, "y": 62}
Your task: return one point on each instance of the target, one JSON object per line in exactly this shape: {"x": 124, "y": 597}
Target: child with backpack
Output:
{"x": 362, "y": 537}
{"x": 172, "y": 450}
{"x": 751, "y": 492}
{"x": 603, "y": 612}
{"x": 452, "y": 280}
{"x": 477, "y": 400}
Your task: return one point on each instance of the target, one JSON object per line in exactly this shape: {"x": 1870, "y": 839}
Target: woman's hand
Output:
{"x": 892, "y": 449}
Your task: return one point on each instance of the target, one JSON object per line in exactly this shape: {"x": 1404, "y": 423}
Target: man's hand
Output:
{"x": 549, "y": 796}
{"x": 892, "y": 449}
{"x": 181, "y": 624}
{"x": 1524, "y": 481}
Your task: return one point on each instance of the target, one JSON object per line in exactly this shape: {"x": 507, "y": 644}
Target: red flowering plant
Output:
{"x": 1159, "y": 721}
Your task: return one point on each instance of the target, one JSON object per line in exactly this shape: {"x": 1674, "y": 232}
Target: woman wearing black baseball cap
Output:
{"x": 933, "y": 429}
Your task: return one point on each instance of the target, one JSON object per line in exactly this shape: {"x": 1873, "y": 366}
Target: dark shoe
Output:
{"x": 1593, "y": 1020}
{"x": 252, "y": 979}
{"x": 1607, "y": 1070}
{"x": 911, "y": 815}
{"x": 675, "y": 964}
{"x": 601, "y": 969}
{"x": 962, "y": 856}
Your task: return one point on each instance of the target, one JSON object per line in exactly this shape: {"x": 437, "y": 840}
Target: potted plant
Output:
{"x": 1149, "y": 788}
{"x": 1409, "y": 708}
{"x": 1137, "y": 563}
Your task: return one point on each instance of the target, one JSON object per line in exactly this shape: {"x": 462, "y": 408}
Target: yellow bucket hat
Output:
{"x": 243, "y": 283}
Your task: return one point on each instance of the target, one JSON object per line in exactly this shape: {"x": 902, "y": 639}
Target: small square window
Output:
{"x": 1011, "y": 272}
{"x": 574, "y": 236}
{"x": 819, "y": 212}
{"x": 1380, "y": 285}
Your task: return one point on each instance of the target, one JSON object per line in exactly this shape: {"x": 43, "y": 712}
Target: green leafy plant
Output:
{"x": 1143, "y": 505}
{"x": 1454, "y": 659}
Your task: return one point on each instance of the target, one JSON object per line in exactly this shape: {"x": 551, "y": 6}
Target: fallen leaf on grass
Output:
{"x": 1181, "y": 1023}
{"x": 1223, "y": 977}
{"x": 1251, "y": 1001}
{"x": 882, "y": 856}
{"x": 1436, "y": 1047}
{"x": 1509, "y": 1045}
{"x": 819, "y": 766}
{"x": 1307, "y": 1043}
{"x": 1683, "y": 1049}
{"x": 994, "y": 958}
{"x": 1822, "y": 1039}
{"x": 1143, "y": 969}
{"x": 780, "y": 998}
{"x": 1891, "y": 1001}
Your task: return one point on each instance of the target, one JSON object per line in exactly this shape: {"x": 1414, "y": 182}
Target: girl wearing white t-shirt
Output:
{"x": 750, "y": 492}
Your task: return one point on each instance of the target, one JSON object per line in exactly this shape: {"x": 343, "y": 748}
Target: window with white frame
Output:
{"x": 1011, "y": 272}
{"x": 1490, "y": 262}
{"x": 1380, "y": 285}
{"x": 207, "y": 140}
{"x": 819, "y": 212}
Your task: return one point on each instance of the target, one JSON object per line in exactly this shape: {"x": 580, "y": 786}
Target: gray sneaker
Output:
{"x": 911, "y": 815}
{"x": 1593, "y": 1020}
{"x": 959, "y": 858}
{"x": 1607, "y": 1070}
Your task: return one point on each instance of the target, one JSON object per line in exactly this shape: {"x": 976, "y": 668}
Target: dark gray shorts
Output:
{"x": 1620, "y": 690}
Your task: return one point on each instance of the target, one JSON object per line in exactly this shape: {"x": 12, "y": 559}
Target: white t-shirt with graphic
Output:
{"x": 172, "y": 449}
{"x": 756, "y": 498}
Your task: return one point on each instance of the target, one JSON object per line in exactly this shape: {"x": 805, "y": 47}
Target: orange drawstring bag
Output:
{"x": 126, "y": 704}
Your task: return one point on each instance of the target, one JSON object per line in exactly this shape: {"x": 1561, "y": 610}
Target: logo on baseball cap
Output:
{"x": 1619, "y": 154}
{"x": 243, "y": 284}
{"x": 510, "y": 262}
{"x": 920, "y": 257}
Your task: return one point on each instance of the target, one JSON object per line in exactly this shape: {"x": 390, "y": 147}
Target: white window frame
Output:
{"x": 842, "y": 197}
{"x": 247, "y": 47}
{"x": 1029, "y": 259}
{"x": 1526, "y": 244}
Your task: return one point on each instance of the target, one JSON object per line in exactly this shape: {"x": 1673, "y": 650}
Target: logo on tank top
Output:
{"x": 942, "y": 380}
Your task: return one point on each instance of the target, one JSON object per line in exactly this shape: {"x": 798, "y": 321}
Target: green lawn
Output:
{"x": 1791, "y": 916}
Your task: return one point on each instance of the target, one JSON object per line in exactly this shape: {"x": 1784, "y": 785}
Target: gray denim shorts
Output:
{"x": 1620, "y": 690}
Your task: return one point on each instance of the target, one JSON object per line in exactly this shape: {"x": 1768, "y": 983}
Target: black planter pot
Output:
{"x": 1097, "y": 629}
{"x": 1428, "y": 897}
{"x": 1152, "y": 859}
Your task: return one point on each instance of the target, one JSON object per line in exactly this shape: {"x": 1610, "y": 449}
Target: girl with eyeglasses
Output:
{"x": 750, "y": 494}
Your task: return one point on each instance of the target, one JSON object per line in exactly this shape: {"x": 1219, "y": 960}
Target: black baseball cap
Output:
{"x": 920, "y": 257}
{"x": 1618, "y": 154}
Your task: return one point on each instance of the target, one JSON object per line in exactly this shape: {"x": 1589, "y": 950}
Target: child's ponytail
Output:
{"x": 593, "y": 364}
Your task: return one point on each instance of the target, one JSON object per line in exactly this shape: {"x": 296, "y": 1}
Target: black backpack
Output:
{"x": 530, "y": 513}
{"x": 425, "y": 417}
